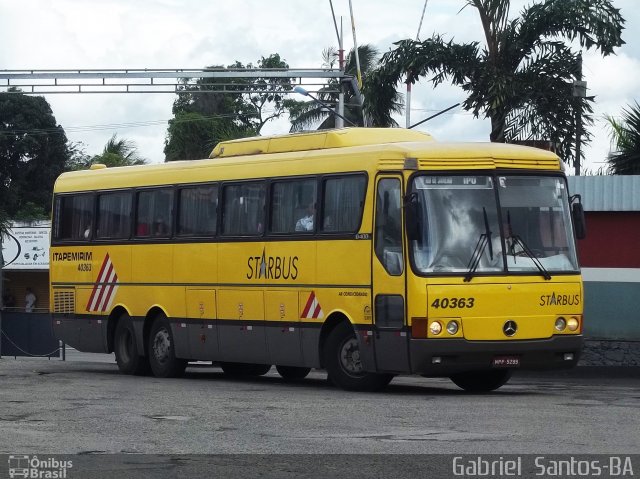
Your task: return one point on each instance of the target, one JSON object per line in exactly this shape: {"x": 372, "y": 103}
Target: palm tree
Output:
{"x": 307, "y": 114}
{"x": 625, "y": 136}
{"x": 521, "y": 78}
{"x": 119, "y": 152}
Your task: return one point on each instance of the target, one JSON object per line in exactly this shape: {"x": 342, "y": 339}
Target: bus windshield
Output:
{"x": 484, "y": 224}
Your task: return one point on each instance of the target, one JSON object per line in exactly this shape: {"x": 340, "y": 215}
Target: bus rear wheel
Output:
{"x": 245, "y": 369}
{"x": 293, "y": 373}
{"x": 481, "y": 381}
{"x": 161, "y": 347}
{"x": 342, "y": 361}
{"x": 129, "y": 359}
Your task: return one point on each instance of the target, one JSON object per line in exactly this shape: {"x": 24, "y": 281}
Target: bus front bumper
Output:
{"x": 443, "y": 357}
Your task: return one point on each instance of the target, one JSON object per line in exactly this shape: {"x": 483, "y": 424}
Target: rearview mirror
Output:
{"x": 579, "y": 221}
{"x": 412, "y": 218}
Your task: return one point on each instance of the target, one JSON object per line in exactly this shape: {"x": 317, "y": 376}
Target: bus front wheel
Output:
{"x": 481, "y": 381}
{"x": 126, "y": 349}
{"x": 342, "y": 361}
{"x": 161, "y": 348}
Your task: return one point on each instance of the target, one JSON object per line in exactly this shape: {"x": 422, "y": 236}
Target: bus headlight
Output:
{"x": 561, "y": 323}
{"x": 573, "y": 324}
{"x": 452, "y": 327}
{"x": 435, "y": 328}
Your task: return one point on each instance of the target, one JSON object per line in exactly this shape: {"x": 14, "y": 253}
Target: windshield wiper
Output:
{"x": 483, "y": 241}
{"x": 516, "y": 240}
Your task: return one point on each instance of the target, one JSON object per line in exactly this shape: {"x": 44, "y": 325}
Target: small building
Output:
{"x": 610, "y": 261}
{"x": 26, "y": 264}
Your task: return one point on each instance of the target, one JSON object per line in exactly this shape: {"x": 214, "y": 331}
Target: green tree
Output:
{"x": 306, "y": 114}
{"x": 116, "y": 152}
{"x": 204, "y": 116}
{"x": 521, "y": 78}
{"x": 78, "y": 157}
{"x": 33, "y": 152}
{"x": 119, "y": 152}
{"x": 625, "y": 136}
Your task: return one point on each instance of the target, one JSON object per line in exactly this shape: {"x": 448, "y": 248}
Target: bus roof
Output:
{"x": 349, "y": 149}
{"x": 316, "y": 140}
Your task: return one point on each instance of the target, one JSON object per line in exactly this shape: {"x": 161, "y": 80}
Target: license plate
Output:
{"x": 506, "y": 362}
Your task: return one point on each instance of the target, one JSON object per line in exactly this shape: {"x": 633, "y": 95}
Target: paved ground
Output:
{"x": 85, "y": 406}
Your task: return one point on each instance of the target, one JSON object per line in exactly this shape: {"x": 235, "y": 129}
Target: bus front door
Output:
{"x": 390, "y": 331}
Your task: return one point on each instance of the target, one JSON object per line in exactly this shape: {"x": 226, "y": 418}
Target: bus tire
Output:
{"x": 342, "y": 362}
{"x": 162, "y": 358}
{"x": 293, "y": 373}
{"x": 245, "y": 369}
{"x": 125, "y": 348}
{"x": 481, "y": 381}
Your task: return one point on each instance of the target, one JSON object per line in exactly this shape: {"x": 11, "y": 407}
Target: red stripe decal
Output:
{"x": 306, "y": 309}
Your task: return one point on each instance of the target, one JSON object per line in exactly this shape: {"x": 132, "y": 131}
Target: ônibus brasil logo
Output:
{"x": 33, "y": 467}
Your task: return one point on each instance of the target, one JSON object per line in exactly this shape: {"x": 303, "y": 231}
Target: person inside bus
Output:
{"x": 306, "y": 222}
{"x": 160, "y": 227}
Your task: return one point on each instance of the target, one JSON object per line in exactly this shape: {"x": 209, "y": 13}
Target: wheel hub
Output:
{"x": 350, "y": 357}
{"x": 161, "y": 346}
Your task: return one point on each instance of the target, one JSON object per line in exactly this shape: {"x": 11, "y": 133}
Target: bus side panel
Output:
{"x": 310, "y": 338}
{"x": 92, "y": 329}
{"x": 241, "y": 327}
{"x": 66, "y": 330}
{"x": 203, "y": 330}
{"x": 283, "y": 327}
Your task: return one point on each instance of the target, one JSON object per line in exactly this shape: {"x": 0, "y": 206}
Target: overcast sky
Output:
{"x": 76, "y": 34}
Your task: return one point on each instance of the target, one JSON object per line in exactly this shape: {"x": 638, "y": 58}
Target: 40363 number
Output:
{"x": 453, "y": 303}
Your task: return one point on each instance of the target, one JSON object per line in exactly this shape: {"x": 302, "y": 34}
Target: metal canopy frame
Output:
{"x": 41, "y": 82}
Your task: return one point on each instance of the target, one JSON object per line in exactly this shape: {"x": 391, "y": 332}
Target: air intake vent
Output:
{"x": 64, "y": 301}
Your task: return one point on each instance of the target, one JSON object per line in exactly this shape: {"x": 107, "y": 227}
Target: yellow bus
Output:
{"x": 365, "y": 252}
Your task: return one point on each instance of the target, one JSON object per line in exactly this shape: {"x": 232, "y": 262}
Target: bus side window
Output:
{"x": 114, "y": 213}
{"x": 388, "y": 228}
{"x": 343, "y": 199}
{"x": 73, "y": 217}
{"x": 290, "y": 206}
{"x": 197, "y": 211}
{"x": 153, "y": 215}
{"x": 243, "y": 209}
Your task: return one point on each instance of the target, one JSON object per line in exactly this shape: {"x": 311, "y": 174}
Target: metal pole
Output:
{"x": 580, "y": 92}
{"x": 408, "y": 105}
{"x": 355, "y": 51}
{"x": 338, "y": 121}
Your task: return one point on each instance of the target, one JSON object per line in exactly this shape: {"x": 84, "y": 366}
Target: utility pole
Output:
{"x": 339, "y": 122}
{"x": 579, "y": 92}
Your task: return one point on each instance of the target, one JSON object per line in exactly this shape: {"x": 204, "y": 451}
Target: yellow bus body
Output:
{"x": 255, "y": 291}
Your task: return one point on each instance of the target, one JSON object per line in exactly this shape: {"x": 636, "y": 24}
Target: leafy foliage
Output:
{"x": 116, "y": 152}
{"x": 522, "y": 77}
{"x": 306, "y": 114}
{"x": 119, "y": 152}
{"x": 203, "y": 117}
{"x": 625, "y": 135}
{"x": 33, "y": 152}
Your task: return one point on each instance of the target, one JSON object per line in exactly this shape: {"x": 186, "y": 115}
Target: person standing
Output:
{"x": 29, "y": 301}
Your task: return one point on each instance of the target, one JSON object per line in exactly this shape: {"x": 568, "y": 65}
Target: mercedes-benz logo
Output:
{"x": 509, "y": 328}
